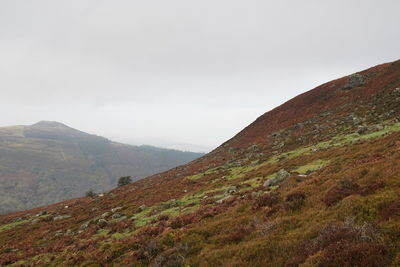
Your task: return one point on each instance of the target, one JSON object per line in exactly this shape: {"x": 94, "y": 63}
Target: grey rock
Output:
{"x": 355, "y": 80}
{"x": 279, "y": 178}
{"x": 231, "y": 190}
{"x": 397, "y": 91}
{"x": 116, "y": 216}
{"x": 84, "y": 226}
{"x": 61, "y": 217}
{"x": 105, "y": 215}
{"x": 142, "y": 207}
{"x": 219, "y": 201}
{"x": 116, "y": 209}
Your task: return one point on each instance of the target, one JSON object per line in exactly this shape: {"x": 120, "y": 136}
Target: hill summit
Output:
{"x": 313, "y": 182}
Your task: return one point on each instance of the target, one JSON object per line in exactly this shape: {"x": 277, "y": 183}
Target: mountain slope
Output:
{"x": 49, "y": 162}
{"x": 314, "y": 182}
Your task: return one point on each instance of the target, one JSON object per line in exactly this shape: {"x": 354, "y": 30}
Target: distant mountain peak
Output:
{"x": 50, "y": 124}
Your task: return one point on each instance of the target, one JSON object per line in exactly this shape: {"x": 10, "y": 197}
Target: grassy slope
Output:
{"x": 339, "y": 207}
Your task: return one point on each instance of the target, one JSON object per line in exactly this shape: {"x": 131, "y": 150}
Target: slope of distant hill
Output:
{"x": 49, "y": 161}
{"x": 314, "y": 182}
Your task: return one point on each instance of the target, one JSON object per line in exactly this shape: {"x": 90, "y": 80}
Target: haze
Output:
{"x": 180, "y": 74}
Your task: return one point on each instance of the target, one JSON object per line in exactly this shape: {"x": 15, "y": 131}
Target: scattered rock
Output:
{"x": 355, "y": 80}
{"x": 41, "y": 213}
{"x": 397, "y": 91}
{"x": 105, "y": 215}
{"x": 61, "y": 217}
{"x": 220, "y": 201}
{"x": 116, "y": 209}
{"x": 231, "y": 190}
{"x": 84, "y": 226}
{"x": 279, "y": 178}
{"x": 142, "y": 208}
{"x": 116, "y": 216}
{"x": 102, "y": 223}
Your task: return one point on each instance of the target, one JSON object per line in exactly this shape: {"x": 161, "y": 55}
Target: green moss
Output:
{"x": 312, "y": 166}
{"x": 6, "y": 227}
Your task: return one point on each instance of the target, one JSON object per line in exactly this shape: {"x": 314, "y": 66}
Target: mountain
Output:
{"x": 313, "y": 182}
{"x": 48, "y": 162}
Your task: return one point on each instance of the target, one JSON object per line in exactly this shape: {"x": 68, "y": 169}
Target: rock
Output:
{"x": 232, "y": 189}
{"x": 116, "y": 209}
{"x": 171, "y": 203}
{"x": 102, "y": 223}
{"x": 220, "y": 201}
{"x": 100, "y": 195}
{"x": 105, "y": 215}
{"x": 142, "y": 208}
{"x": 85, "y": 226}
{"x": 355, "y": 80}
{"x": 116, "y": 216}
{"x": 61, "y": 217}
{"x": 362, "y": 130}
{"x": 41, "y": 213}
{"x": 279, "y": 178}
{"x": 397, "y": 91}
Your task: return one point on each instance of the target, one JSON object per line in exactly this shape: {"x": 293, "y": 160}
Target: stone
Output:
{"x": 116, "y": 216}
{"x": 116, "y": 209}
{"x": 102, "y": 223}
{"x": 61, "y": 217}
{"x": 220, "y": 201}
{"x": 355, "y": 80}
{"x": 279, "y": 178}
{"x": 105, "y": 215}
{"x": 84, "y": 226}
{"x": 41, "y": 213}
{"x": 231, "y": 189}
{"x": 142, "y": 208}
{"x": 397, "y": 91}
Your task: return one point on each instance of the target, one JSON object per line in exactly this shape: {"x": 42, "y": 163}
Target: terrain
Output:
{"x": 48, "y": 162}
{"x": 313, "y": 182}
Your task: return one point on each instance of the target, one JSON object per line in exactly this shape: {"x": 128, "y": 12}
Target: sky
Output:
{"x": 180, "y": 74}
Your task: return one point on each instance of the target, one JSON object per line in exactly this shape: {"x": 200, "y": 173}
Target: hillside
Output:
{"x": 48, "y": 162}
{"x": 313, "y": 182}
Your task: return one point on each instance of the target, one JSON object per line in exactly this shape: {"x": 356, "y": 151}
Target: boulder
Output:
{"x": 61, "y": 217}
{"x": 116, "y": 209}
{"x": 116, "y": 216}
{"x": 279, "y": 178}
{"x": 105, "y": 215}
{"x": 355, "y": 80}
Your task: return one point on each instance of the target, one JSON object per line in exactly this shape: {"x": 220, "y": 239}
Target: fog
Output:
{"x": 180, "y": 74}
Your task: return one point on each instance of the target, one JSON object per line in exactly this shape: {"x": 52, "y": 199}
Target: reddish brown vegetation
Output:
{"x": 346, "y": 245}
{"x": 266, "y": 200}
{"x": 346, "y": 188}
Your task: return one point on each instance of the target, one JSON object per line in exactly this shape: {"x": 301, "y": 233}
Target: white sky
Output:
{"x": 179, "y": 73}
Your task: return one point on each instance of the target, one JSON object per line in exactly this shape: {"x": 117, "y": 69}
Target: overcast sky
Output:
{"x": 179, "y": 73}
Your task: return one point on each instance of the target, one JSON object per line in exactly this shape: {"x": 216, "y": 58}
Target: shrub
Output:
{"x": 265, "y": 200}
{"x": 124, "y": 180}
{"x": 345, "y": 244}
{"x": 343, "y": 189}
{"x": 294, "y": 201}
{"x": 90, "y": 193}
{"x": 183, "y": 220}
